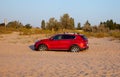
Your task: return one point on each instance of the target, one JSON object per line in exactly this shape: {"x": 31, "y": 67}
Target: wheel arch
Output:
{"x": 44, "y": 44}
{"x": 74, "y": 45}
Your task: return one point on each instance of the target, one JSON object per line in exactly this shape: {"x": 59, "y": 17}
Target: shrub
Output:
{"x": 115, "y": 33}
{"x": 4, "y": 30}
{"x": 101, "y": 35}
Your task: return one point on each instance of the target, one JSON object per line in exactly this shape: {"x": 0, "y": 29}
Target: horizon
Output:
{"x": 34, "y": 11}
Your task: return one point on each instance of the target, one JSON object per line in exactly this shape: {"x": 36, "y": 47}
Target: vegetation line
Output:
{"x": 65, "y": 24}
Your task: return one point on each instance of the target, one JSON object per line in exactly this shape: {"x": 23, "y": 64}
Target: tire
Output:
{"x": 75, "y": 48}
{"x": 42, "y": 48}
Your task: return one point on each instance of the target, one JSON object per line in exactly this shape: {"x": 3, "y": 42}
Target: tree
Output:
{"x": 28, "y": 26}
{"x": 79, "y": 26}
{"x": 118, "y": 26}
{"x": 43, "y": 24}
{"x": 67, "y": 22}
{"x": 71, "y": 24}
{"x": 102, "y": 28}
{"x": 15, "y": 24}
{"x": 52, "y": 24}
{"x": 87, "y": 27}
{"x": 2, "y": 24}
{"x": 94, "y": 28}
{"x": 111, "y": 25}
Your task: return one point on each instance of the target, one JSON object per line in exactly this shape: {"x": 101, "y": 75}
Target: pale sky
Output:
{"x": 34, "y": 11}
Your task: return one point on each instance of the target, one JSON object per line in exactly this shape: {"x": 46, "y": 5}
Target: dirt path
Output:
{"x": 17, "y": 59}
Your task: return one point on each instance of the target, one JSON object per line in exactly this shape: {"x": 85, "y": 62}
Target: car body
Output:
{"x": 71, "y": 42}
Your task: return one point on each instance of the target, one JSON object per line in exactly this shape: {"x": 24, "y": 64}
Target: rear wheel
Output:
{"x": 42, "y": 47}
{"x": 74, "y": 48}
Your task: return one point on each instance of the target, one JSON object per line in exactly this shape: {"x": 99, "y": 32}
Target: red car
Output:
{"x": 71, "y": 42}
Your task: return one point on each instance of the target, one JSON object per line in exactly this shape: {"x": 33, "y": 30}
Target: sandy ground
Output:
{"x": 18, "y": 59}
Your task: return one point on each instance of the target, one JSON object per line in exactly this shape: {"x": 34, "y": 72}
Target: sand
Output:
{"x": 18, "y": 59}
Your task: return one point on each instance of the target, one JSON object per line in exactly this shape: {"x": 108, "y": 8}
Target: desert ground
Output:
{"x": 18, "y": 59}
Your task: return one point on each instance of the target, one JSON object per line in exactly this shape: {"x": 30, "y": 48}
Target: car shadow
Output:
{"x": 32, "y": 47}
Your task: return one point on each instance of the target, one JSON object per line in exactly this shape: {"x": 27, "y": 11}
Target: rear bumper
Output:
{"x": 85, "y": 48}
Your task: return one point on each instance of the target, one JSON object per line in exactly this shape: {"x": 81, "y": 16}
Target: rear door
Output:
{"x": 66, "y": 41}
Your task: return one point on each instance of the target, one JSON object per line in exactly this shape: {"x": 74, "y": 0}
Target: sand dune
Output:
{"x": 18, "y": 59}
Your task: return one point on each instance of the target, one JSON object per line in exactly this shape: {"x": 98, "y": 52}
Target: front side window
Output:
{"x": 57, "y": 37}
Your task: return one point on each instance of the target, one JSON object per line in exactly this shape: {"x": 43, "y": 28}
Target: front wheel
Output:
{"x": 74, "y": 48}
{"x": 42, "y": 47}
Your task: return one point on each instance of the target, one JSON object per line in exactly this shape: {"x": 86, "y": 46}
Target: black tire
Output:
{"x": 42, "y": 48}
{"x": 75, "y": 48}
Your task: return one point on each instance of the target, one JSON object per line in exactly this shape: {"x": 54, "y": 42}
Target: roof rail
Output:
{"x": 71, "y": 33}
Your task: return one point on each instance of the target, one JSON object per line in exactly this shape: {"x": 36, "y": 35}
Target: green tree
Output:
{"x": 79, "y": 26}
{"x": 94, "y": 28}
{"x": 118, "y": 26}
{"x": 67, "y": 22}
{"x": 87, "y": 27}
{"x": 43, "y": 24}
{"x": 109, "y": 24}
{"x": 71, "y": 24}
{"x": 102, "y": 28}
{"x": 15, "y": 24}
{"x": 28, "y": 26}
{"x": 52, "y": 24}
{"x": 2, "y": 24}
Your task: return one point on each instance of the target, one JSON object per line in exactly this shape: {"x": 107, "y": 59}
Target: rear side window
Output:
{"x": 83, "y": 37}
{"x": 68, "y": 37}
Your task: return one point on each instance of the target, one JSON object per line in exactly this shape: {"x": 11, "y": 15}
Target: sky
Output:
{"x": 34, "y": 11}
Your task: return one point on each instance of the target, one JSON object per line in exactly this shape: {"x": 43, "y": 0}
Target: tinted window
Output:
{"x": 84, "y": 37}
{"x": 68, "y": 37}
{"x": 57, "y": 37}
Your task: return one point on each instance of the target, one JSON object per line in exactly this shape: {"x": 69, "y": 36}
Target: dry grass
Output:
{"x": 47, "y": 33}
{"x": 115, "y": 34}
{"x": 1, "y": 36}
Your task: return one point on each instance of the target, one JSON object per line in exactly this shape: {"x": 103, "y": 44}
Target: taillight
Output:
{"x": 82, "y": 45}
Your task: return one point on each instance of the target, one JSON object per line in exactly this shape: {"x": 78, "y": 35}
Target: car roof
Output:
{"x": 70, "y": 34}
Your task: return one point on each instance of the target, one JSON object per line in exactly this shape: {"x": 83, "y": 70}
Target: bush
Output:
{"x": 101, "y": 35}
{"x": 4, "y": 30}
{"x": 97, "y": 34}
{"x": 24, "y": 31}
{"x": 115, "y": 33}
